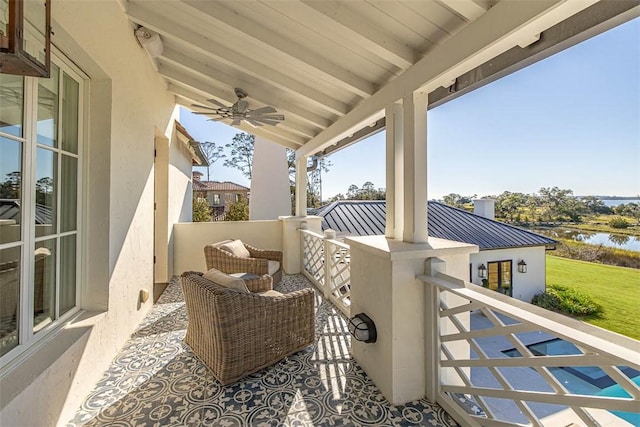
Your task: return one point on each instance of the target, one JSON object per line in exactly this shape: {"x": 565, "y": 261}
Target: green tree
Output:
{"x": 594, "y": 205}
{"x": 10, "y": 187}
{"x": 367, "y": 192}
{"x": 508, "y": 205}
{"x": 201, "y": 211}
{"x": 457, "y": 201}
{"x": 238, "y": 211}
{"x": 241, "y": 154}
{"x": 560, "y": 205}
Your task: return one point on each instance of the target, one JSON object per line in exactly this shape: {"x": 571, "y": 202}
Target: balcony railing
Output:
{"x": 544, "y": 383}
{"x": 508, "y": 362}
{"x": 332, "y": 277}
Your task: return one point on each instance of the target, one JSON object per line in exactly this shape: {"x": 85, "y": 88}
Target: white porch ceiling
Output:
{"x": 332, "y": 66}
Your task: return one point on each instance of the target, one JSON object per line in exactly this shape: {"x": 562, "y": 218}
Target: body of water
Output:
{"x": 616, "y": 202}
{"x": 618, "y": 241}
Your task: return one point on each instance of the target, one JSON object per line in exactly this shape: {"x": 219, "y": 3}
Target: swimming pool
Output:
{"x": 586, "y": 380}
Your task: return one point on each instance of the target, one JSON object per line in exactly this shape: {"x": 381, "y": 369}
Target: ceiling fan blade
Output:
{"x": 253, "y": 123}
{"x": 263, "y": 110}
{"x": 278, "y": 117}
{"x": 207, "y": 112}
{"x": 217, "y": 119}
{"x": 215, "y": 101}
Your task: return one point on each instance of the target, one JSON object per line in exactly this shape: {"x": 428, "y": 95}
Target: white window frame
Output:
{"x": 28, "y": 339}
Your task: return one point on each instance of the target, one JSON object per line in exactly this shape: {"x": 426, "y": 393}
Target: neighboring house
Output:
{"x": 502, "y": 246}
{"x": 219, "y": 195}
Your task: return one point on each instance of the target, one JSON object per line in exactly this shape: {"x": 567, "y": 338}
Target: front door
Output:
{"x": 499, "y": 275}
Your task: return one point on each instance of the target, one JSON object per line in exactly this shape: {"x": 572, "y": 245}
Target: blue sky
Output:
{"x": 571, "y": 121}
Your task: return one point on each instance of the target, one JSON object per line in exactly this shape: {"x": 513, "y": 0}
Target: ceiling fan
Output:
{"x": 240, "y": 111}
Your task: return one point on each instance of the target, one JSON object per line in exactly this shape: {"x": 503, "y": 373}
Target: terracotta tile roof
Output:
{"x": 218, "y": 186}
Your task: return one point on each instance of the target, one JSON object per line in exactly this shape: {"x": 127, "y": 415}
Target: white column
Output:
{"x": 414, "y": 120}
{"x": 394, "y": 172}
{"x": 270, "y": 194}
{"x": 301, "y": 186}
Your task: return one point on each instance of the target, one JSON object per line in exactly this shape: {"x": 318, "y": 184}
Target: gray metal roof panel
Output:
{"x": 367, "y": 217}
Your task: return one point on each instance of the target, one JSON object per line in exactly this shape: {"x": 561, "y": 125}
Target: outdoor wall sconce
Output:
{"x": 25, "y": 37}
{"x": 362, "y": 328}
{"x": 482, "y": 271}
{"x": 522, "y": 266}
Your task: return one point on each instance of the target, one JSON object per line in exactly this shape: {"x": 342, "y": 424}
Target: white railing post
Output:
{"x": 433, "y": 266}
{"x": 328, "y": 262}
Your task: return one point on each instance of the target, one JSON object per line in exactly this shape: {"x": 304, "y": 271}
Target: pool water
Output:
{"x": 586, "y": 380}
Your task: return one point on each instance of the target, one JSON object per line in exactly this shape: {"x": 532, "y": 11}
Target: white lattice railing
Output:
{"x": 333, "y": 278}
{"x": 531, "y": 387}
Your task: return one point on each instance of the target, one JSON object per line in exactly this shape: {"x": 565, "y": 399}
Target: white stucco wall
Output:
{"x": 525, "y": 285}
{"x": 128, "y": 104}
{"x": 270, "y": 192}
{"x": 189, "y": 239}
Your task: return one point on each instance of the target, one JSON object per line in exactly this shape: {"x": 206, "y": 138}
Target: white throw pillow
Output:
{"x": 273, "y": 267}
{"x": 271, "y": 293}
{"x": 236, "y": 248}
{"x": 222, "y": 279}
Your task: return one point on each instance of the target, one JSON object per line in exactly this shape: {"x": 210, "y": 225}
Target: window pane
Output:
{"x": 44, "y": 286}
{"x": 34, "y": 39}
{"x": 9, "y": 298}
{"x": 70, "y": 114}
{"x": 67, "y": 273}
{"x": 69, "y": 193}
{"x": 45, "y": 192}
{"x": 4, "y": 17}
{"x": 48, "y": 109}
{"x": 10, "y": 189}
{"x": 11, "y": 107}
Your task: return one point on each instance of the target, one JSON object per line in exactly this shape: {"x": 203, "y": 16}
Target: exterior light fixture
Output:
{"x": 482, "y": 271}
{"x": 522, "y": 266}
{"x": 362, "y": 328}
{"x": 25, "y": 37}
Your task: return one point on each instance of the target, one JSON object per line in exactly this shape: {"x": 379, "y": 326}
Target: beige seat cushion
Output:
{"x": 271, "y": 293}
{"x": 273, "y": 267}
{"x": 222, "y": 279}
{"x": 236, "y": 247}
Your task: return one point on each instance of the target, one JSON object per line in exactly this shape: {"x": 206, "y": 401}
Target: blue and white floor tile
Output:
{"x": 156, "y": 380}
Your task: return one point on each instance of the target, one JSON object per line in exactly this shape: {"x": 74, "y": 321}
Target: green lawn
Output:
{"x": 616, "y": 289}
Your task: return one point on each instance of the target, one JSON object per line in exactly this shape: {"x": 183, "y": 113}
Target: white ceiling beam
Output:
{"x": 501, "y": 28}
{"x": 260, "y": 35}
{"x": 180, "y": 33}
{"x": 256, "y": 92}
{"x": 181, "y": 78}
{"x": 266, "y": 97}
{"x": 366, "y": 35}
{"x": 468, "y": 9}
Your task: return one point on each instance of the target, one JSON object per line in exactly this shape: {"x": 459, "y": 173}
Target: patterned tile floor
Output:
{"x": 155, "y": 380}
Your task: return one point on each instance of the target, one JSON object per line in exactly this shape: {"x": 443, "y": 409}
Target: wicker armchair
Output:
{"x": 257, "y": 263}
{"x": 236, "y": 334}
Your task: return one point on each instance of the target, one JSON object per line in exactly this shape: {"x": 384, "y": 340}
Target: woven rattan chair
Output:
{"x": 236, "y": 334}
{"x": 257, "y": 263}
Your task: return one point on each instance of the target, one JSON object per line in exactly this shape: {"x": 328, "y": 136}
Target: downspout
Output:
{"x": 314, "y": 164}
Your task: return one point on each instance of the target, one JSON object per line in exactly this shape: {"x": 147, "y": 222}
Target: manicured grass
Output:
{"x": 616, "y": 289}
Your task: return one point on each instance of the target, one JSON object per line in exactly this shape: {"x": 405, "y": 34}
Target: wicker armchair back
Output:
{"x": 236, "y": 334}
{"x": 258, "y": 263}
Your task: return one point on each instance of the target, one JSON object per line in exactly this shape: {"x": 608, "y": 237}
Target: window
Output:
{"x": 499, "y": 276}
{"x": 40, "y": 172}
{"x": 216, "y": 199}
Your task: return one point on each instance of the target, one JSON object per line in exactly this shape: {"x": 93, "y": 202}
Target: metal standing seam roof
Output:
{"x": 367, "y": 217}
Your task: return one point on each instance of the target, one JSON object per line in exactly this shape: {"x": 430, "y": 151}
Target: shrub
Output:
{"x": 567, "y": 301}
{"x": 201, "y": 211}
{"x": 238, "y": 211}
{"x": 618, "y": 222}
